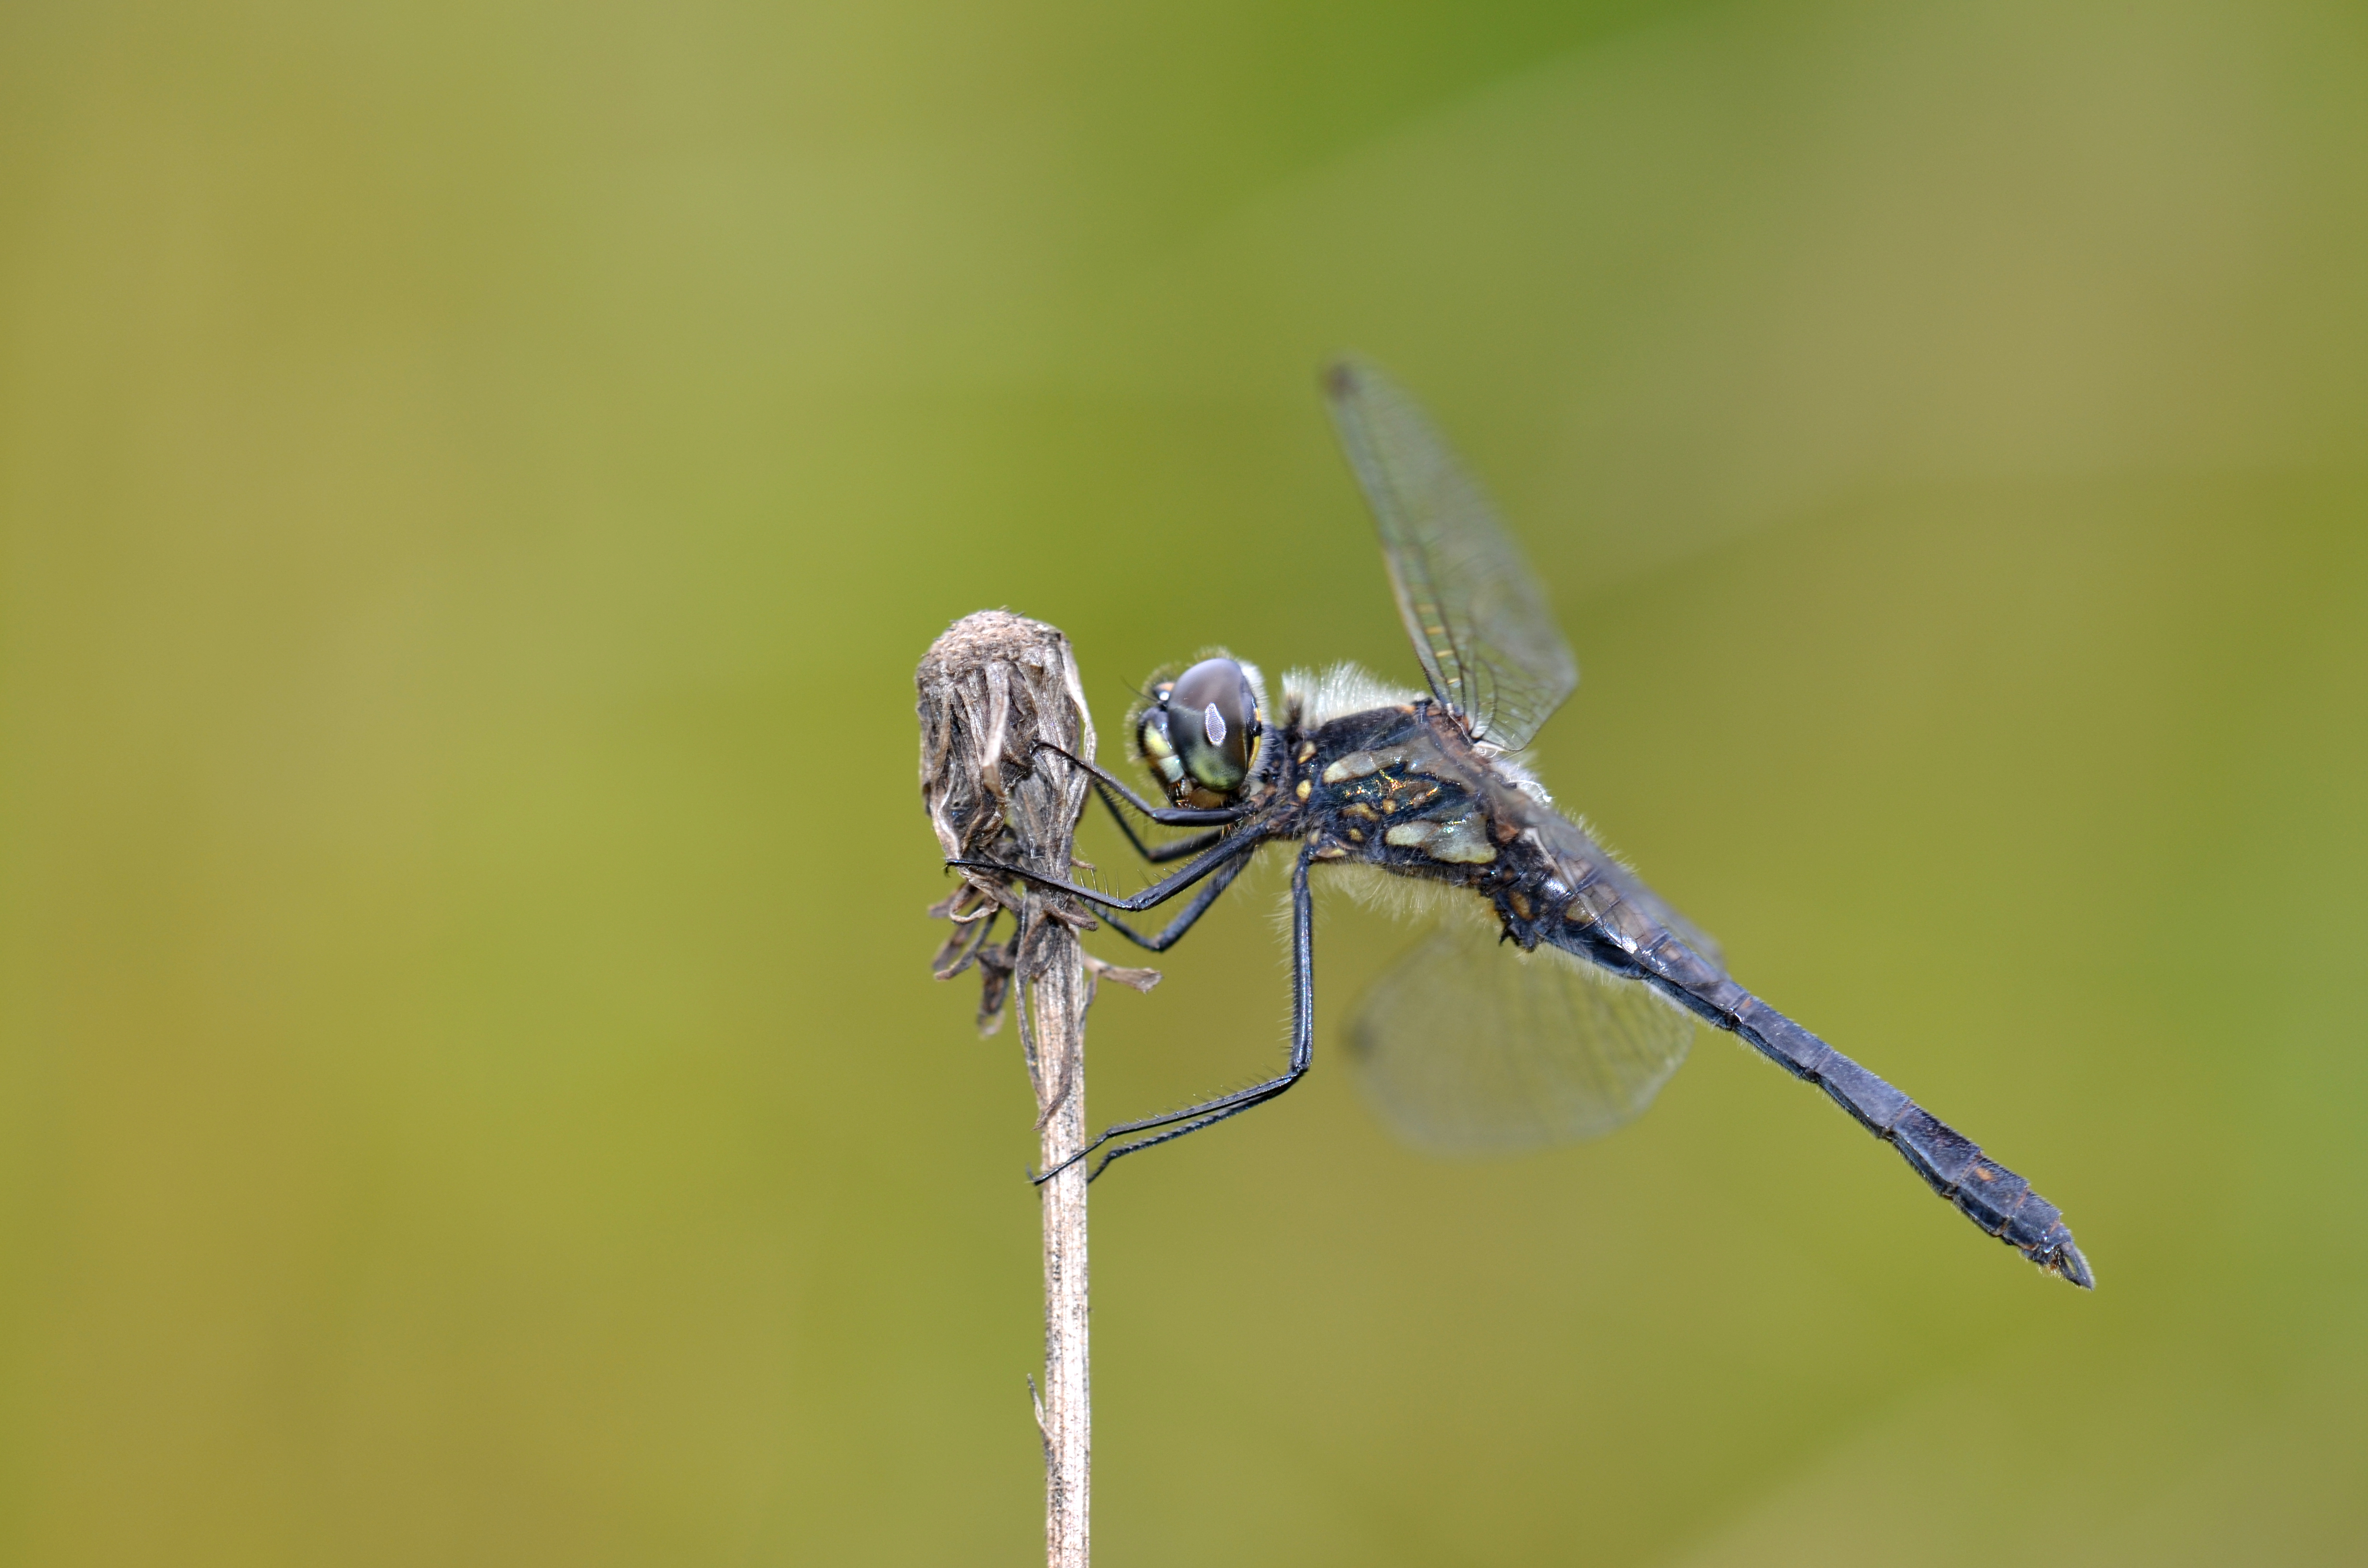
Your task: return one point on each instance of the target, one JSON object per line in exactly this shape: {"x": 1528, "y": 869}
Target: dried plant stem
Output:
{"x": 1064, "y": 1415}
{"x": 990, "y": 688}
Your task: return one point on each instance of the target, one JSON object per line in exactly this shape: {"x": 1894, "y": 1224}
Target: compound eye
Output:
{"x": 1159, "y": 752}
{"x": 1213, "y": 723}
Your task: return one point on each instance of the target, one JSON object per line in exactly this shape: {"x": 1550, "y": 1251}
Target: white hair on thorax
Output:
{"x": 1257, "y": 678}
{"x": 1523, "y": 779}
{"x": 1318, "y": 696}
{"x": 1409, "y": 900}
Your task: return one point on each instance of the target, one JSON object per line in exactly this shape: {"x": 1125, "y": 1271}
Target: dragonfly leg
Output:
{"x": 1191, "y": 914}
{"x": 1166, "y": 816}
{"x": 1158, "y": 893}
{"x": 1158, "y": 854}
{"x": 1208, "y": 1113}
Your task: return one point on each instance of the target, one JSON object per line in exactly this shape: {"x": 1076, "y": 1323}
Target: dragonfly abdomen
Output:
{"x": 1986, "y": 1192}
{"x": 2000, "y": 1202}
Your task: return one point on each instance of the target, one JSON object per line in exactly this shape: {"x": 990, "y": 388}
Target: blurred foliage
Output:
{"x": 477, "y": 479}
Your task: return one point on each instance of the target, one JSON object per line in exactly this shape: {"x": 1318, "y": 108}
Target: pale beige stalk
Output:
{"x": 990, "y": 687}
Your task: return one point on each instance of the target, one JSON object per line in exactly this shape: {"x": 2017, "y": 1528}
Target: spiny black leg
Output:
{"x": 1158, "y": 893}
{"x": 1208, "y": 1113}
{"x": 1158, "y": 854}
{"x": 1193, "y": 912}
{"x": 1166, "y": 816}
{"x": 1303, "y": 1034}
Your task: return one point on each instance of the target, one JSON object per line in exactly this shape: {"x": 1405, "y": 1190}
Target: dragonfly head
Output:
{"x": 1198, "y": 732}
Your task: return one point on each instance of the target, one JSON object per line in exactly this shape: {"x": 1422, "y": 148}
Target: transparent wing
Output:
{"x": 1580, "y": 853}
{"x": 1467, "y": 1045}
{"x": 1478, "y": 619}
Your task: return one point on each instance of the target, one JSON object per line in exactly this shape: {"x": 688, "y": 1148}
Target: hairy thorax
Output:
{"x": 1400, "y": 791}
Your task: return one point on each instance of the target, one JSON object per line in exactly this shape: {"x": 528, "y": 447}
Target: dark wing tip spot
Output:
{"x": 1341, "y": 377}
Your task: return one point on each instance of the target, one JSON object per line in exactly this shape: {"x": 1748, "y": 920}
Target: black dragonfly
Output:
{"x": 1558, "y": 992}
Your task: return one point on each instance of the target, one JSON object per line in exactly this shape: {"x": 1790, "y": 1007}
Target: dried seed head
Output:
{"x": 990, "y": 688}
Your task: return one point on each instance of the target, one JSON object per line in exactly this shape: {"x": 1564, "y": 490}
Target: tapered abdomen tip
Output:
{"x": 2073, "y": 1266}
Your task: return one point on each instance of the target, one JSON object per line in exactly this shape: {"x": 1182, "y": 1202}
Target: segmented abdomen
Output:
{"x": 1606, "y": 920}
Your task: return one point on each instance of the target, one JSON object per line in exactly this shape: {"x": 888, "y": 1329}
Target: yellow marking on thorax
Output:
{"x": 1459, "y": 840}
{"x": 1363, "y": 763}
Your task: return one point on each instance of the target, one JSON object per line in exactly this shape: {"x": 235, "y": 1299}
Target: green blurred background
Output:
{"x": 477, "y": 480}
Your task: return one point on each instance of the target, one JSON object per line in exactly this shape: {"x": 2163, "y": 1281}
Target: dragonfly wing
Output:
{"x": 1479, "y": 620}
{"x": 1468, "y": 1046}
{"x": 1581, "y": 854}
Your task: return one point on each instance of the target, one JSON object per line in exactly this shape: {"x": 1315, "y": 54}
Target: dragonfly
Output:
{"x": 1556, "y": 992}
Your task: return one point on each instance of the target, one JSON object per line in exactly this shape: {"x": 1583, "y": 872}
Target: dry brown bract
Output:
{"x": 991, "y": 687}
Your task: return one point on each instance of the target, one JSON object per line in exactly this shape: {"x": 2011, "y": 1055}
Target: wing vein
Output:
{"x": 1480, "y": 623}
